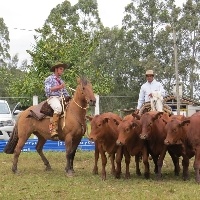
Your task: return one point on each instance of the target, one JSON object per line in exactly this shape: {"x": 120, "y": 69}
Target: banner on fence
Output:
{"x": 30, "y": 145}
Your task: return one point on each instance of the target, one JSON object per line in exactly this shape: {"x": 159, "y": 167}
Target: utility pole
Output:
{"x": 176, "y": 72}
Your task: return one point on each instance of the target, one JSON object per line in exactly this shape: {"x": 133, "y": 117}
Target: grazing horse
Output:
{"x": 71, "y": 127}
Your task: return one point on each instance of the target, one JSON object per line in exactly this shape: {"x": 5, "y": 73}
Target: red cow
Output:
{"x": 186, "y": 131}
{"x": 153, "y": 132}
{"x": 129, "y": 136}
{"x": 104, "y": 134}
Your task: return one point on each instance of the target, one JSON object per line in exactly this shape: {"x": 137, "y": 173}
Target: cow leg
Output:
{"x": 197, "y": 164}
{"x": 137, "y": 162}
{"x": 103, "y": 162}
{"x": 155, "y": 160}
{"x": 127, "y": 161}
{"x": 185, "y": 164}
{"x": 119, "y": 155}
{"x": 160, "y": 162}
{"x": 112, "y": 160}
{"x": 175, "y": 160}
{"x": 96, "y": 158}
{"x": 145, "y": 158}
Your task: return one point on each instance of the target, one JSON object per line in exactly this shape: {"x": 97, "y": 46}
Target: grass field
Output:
{"x": 32, "y": 182}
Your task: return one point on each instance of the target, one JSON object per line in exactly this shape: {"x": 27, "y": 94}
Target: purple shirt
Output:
{"x": 52, "y": 81}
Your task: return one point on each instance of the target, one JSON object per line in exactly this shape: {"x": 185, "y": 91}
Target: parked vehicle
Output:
{"x": 7, "y": 119}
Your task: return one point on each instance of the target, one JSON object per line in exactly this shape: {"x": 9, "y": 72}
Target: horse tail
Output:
{"x": 12, "y": 142}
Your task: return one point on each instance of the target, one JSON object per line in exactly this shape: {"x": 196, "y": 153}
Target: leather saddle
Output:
{"x": 43, "y": 109}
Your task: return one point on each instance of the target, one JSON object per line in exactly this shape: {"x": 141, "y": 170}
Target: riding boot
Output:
{"x": 54, "y": 127}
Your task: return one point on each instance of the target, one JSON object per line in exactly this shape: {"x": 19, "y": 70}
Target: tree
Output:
{"x": 189, "y": 37}
{"x": 4, "y": 43}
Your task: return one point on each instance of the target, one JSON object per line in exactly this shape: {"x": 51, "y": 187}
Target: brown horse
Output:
{"x": 71, "y": 128}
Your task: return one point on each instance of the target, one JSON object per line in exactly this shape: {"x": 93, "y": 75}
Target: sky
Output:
{"x": 23, "y": 16}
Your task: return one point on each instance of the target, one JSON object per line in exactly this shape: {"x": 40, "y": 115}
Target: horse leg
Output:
{"x": 39, "y": 147}
{"x": 17, "y": 152}
{"x": 70, "y": 154}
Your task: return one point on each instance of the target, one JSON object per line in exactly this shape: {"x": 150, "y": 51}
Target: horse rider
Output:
{"x": 148, "y": 88}
{"x": 54, "y": 90}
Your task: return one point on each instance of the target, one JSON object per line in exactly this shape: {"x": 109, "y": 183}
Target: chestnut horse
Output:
{"x": 71, "y": 128}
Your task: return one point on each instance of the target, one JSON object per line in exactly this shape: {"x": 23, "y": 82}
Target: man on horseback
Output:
{"x": 149, "y": 89}
{"x": 55, "y": 90}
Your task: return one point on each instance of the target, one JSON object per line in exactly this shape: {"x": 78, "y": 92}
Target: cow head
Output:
{"x": 147, "y": 122}
{"x": 97, "y": 123}
{"x": 128, "y": 130}
{"x": 175, "y": 131}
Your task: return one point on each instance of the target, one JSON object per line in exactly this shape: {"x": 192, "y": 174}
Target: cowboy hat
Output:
{"x": 149, "y": 72}
{"x": 57, "y": 65}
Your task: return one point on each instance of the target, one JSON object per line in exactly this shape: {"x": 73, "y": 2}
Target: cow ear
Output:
{"x": 105, "y": 120}
{"x": 165, "y": 121}
{"x": 136, "y": 116}
{"x": 134, "y": 125}
{"x": 157, "y": 116}
{"x": 185, "y": 122}
{"x": 89, "y": 117}
{"x": 116, "y": 122}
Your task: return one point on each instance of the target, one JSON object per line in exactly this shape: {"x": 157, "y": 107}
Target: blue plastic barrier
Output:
{"x": 30, "y": 145}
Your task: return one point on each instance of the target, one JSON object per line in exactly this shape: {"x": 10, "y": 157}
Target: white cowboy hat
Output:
{"x": 149, "y": 72}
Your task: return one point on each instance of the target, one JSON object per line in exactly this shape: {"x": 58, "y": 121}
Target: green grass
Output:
{"x": 32, "y": 182}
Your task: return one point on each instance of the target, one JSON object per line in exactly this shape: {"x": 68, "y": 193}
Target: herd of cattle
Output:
{"x": 151, "y": 134}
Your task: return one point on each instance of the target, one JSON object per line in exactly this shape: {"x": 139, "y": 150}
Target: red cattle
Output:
{"x": 153, "y": 132}
{"x": 129, "y": 136}
{"x": 187, "y": 132}
{"x": 104, "y": 134}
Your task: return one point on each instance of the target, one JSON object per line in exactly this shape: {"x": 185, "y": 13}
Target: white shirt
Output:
{"x": 146, "y": 89}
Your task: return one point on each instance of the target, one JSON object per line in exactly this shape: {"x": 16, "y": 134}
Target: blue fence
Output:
{"x": 30, "y": 145}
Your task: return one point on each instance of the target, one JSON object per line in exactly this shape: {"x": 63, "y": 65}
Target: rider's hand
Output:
{"x": 150, "y": 95}
{"x": 62, "y": 86}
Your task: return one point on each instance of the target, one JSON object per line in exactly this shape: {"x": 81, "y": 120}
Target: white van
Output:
{"x": 6, "y": 120}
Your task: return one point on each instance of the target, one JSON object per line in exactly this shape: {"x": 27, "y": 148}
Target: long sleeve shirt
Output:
{"x": 52, "y": 81}
{"x": 146, "y": 89}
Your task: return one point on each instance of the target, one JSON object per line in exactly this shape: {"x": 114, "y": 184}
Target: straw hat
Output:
{"x": 57, "y": 65}
{"x": 149, "y": 72}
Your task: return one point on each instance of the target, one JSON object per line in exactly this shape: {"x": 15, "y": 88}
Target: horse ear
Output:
{"x": 78, "y": 80}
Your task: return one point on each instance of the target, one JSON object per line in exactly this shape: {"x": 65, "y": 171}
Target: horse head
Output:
{"x": 86, "y": 89}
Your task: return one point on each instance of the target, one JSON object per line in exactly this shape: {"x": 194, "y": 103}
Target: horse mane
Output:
{"x": 83, "y": 80}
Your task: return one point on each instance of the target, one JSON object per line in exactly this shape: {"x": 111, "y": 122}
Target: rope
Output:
{"x": 63, "y": 108}
{"x": 79, "y": 105}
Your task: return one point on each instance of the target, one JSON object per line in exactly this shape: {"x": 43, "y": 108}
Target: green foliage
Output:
{"x": 4, "y": 43}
